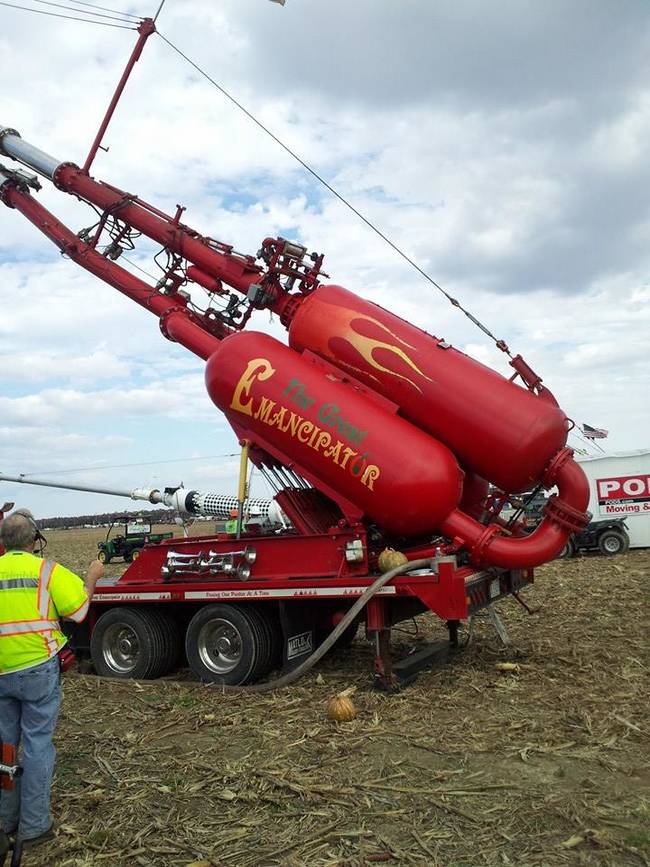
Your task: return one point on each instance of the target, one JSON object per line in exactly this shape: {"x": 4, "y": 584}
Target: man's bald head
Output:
{"x": 18, "y": 531}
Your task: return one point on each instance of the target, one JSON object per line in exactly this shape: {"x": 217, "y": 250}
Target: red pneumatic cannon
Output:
{"x": 372, "y": 433}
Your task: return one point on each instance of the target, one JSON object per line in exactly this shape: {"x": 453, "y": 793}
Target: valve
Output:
{"x": 287, "y": 259}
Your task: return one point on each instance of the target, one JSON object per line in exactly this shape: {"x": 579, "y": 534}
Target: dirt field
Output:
{"x": 548, "y": 766}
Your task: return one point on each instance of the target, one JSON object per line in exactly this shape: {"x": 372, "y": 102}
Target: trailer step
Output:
{"x": 405, "y": 671}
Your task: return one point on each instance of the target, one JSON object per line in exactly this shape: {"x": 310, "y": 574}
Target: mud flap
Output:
{"x": 299, "y": 622}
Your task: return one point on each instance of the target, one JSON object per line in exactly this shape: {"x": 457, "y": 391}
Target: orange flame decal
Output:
{"x": 341, "y": 325}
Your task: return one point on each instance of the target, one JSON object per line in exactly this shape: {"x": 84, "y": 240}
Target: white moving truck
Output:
{"x": 619, "y": 485}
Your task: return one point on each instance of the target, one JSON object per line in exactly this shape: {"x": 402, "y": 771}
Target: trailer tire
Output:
{"x": 344, "y": 641}
{"x": 129, "y": 642}
{"x": 613, "y": 542}
{"x": 568, "y": 551}
{"x": 229, "y": 644}
{"x": 171, "y": 639}
{"x": 267, "y": 649}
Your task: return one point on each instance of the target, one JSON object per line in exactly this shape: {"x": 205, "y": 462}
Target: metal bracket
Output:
{"x": 499, "y": 626}
{"x": 23, "y": 180}
{"x": 524, "y": 605}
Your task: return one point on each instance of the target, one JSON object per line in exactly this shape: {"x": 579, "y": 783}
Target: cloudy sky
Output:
{"x": 502, "y": 145}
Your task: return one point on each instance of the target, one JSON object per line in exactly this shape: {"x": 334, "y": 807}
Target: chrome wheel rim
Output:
{"x": 121, "y": 648}
{"x": 220, "y": 646}
{"x": 612, "y": 545}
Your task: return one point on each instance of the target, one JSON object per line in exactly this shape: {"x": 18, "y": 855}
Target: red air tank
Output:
{"x": 336, "y": 433}
{"x": 497, "y": 429}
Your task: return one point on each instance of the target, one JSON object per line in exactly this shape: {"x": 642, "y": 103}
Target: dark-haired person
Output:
{"x": 34, "y": 594}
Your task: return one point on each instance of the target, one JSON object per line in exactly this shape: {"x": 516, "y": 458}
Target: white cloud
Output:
{"x": 179, "y": 397}
{"x": 39, "y": 366}
{"x": 524, "y": 193}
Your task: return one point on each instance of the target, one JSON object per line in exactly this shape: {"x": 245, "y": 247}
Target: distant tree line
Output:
{"x": 155, "y": 516}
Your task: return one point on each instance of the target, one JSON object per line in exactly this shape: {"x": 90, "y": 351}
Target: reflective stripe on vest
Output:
{"x": 18, "y": 583}
{"x": 44, "y": 575}
{"x": 21, "y": 627}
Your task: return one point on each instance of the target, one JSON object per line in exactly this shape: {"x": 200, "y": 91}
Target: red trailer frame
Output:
{"x": 301, "y": 603}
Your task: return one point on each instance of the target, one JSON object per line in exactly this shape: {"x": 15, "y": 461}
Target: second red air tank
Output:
{"x": 499, "y": 430}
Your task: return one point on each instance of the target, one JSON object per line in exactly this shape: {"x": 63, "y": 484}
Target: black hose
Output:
{"x": 336, "y": 633}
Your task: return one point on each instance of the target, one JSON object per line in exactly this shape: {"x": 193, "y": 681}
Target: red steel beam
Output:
{"x": 234, "y": 270}
{"x": 177, "y": 322}
{"x": 145, "y": 29}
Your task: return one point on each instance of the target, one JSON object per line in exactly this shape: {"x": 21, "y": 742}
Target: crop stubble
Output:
{"x": 548, "y": 765}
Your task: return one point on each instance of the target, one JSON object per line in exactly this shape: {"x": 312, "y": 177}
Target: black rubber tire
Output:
{"x": 568, "y": 551}
{"x": 153, "y": 639}
{"x": 612, "y": 542}
{"x": 344, "y": 641}
{"x": 348, "y": 636}
{"x": 128, "y": 557}
{"x": 172, "y": 639}
{"x": 267, "y": 650}
{"x": 256, "y": 636}
{"x": 103, "y": 557}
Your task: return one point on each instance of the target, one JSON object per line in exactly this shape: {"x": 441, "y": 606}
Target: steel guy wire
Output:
{"x": 454, "y": 301}
{"x": 131, "y": 262}
{"x": 80, "y": 11}
{"x": 105, "y": 9}
{"x": 122, "y": 466}
{"x": 67, "y": 17}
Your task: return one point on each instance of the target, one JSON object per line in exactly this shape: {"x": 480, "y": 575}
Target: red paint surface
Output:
{"x": 497, "y": 429}
{"x": 419, "y": 482}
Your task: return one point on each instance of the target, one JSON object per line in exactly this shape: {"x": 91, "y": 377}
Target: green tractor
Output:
{"x": 137, "y": 533}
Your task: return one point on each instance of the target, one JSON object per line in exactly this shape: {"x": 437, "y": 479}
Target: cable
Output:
{"x": 155, "y": 17}
{"x": 72, "y": 9}
{"x": 68, "y": 17}
{"x": 337, "y": 632}
{"x": 131, "y": 262}
{"x": 587, "y": 442}
{"x": 122, "y": 466}
{"x": 500, "y": 343}
{"x": 117, "y": 12}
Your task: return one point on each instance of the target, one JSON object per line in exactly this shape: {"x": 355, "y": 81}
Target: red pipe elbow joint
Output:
{"x": 564, "y": 513}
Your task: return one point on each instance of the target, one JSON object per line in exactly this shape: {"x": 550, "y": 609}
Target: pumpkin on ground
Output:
{"x": 340, "y": 707}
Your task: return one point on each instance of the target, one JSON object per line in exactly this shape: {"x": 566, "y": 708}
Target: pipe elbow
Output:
{"x": 564, "y": 513}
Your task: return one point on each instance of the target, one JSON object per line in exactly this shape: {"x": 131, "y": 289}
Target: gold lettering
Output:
{"x": 305, "y": 428}
{"x": 323, "y": 441}
{"x": 347, "y": 454}
{"x": 371, "y": 474}
{"x": 292, "y": 424}
{"x": 264, "y": 410}
{"x": 334, "y": 452}
{"x": 278, "y": 418}
{"x": 257, "y": 368}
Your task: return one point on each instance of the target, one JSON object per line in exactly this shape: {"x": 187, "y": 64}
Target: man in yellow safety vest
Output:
{"x": 34, "y": 594}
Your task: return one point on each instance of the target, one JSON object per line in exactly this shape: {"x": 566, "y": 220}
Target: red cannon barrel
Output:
{"x": 497, "y": 429}
{"x": 334, "y": 433}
